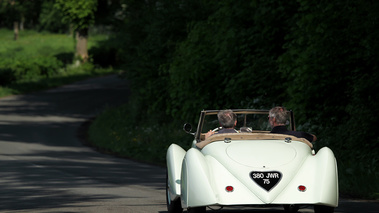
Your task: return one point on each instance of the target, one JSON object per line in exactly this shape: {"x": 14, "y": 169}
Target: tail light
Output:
{"x": 302, "y": 188}
{"x": 229, "y": 188}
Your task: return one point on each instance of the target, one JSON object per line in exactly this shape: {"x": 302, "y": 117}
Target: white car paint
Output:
{"x": 199, "y": 177}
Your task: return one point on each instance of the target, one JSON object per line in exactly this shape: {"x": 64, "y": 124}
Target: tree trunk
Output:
{"x": 22, "y": 23}
{"x": 81, "y": 44}
{"x": 15, "y": 29}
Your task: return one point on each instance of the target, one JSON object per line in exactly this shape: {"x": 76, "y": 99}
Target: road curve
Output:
{"x": 45, "y": 168}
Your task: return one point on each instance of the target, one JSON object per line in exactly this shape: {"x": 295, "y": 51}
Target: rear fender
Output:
{"x": 174, "y": 158}
{"x": 195, "y": 185}
{"x": 327, "y": 177}
{"x": 319, "y": 175}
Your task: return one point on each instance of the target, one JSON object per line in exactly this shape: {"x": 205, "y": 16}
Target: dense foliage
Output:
{"x": 231, "y": 54}
{"x": 40, "y": 61}
{"x": 319, "y": 59}
{"x": 316, "y": 58}
{"x": 25, "y": 12}
{"x": 113, "y": 132}
{"x": 79, "y": 13}
{"x": 331, "y": 56}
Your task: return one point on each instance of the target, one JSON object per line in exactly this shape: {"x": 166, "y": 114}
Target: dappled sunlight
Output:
{"x": 70, "y": 179}
{"x": 43, "y": 164}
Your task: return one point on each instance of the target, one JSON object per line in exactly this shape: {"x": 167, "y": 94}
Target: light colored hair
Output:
{"x": 280, "y": 114}
{"x": 227, "y": 118}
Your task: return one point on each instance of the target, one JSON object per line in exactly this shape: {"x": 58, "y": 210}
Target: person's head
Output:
{"x": 227, "y": 118}
{"x": 278, "y": 116}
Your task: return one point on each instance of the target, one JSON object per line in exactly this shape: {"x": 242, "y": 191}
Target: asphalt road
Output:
{"x": 45, "y": 168}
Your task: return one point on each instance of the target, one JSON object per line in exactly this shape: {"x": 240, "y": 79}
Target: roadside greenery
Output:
{"x": 116, "y": 131}
{"x": 41, "y": 61}
{"x": 318, "y": 59}
{"x": 80, "y": 15}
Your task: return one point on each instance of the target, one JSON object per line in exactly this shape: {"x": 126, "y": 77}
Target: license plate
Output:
{"x": 266, "y": 180}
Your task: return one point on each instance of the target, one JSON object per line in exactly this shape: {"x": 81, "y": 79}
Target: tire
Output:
{"x": 173, "y": 206}
{"x": 201, "y": 209}
{"x": 291, "y": 208}
{"x": 323, "y": 209}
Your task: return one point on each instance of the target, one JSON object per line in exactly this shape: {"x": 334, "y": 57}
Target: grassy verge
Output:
{"x": 116, "y": 131}
{"x": 70, "y": 75}
{"x": 32, "y": 43}
{"x": 31, "y": 63}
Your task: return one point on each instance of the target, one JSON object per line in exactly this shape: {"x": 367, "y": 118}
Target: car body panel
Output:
{"x": 254, "y": 170}
{"x": 174, "y": 158}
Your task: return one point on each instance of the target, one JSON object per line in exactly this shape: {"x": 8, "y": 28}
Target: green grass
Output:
{"x": 38, "y": 84}
{"x": 32, "y": 44}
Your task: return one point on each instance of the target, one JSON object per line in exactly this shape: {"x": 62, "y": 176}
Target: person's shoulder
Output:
{"x": 300, "y": 134}
{"x": 227, "y": 131}
{"x": 279, "y": 129}
{"x": 307, "y": 136}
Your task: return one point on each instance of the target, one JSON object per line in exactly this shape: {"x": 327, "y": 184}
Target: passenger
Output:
{"x": 228, "y": 120}
{"x": 278, "y": 117}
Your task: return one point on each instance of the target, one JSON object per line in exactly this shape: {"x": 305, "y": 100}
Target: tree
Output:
{"x": 50, "y": 18}
{"x": 11, "y": 10}
{"x": 80, "y": 14}
{"x": 17, "y": 14}
{"x": 231, "y": 54}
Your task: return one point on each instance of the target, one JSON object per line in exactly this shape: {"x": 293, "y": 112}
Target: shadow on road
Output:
{"x": 43, "y": 164}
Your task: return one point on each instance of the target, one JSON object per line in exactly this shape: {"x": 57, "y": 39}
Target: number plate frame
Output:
{"x": 267, "y": 179}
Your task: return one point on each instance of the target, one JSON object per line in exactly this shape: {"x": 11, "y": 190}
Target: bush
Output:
{"x": 28, "y": 68}
{"x": 113, "y": 132}
{"x": 318, "y": 59}
{"x": 333, "y": 84}
{"x": 103, "y": 55}
{"x": 232, "y": 54}
{"x": 6, "y": 76}
{"x": 65, "y": 57}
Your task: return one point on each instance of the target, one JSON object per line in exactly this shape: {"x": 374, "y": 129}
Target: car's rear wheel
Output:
{"x": 291, "y": 208}
{"x": 173, "y": 206}
{"x": 201, "y": 209}
{"x": 323, "y": 209}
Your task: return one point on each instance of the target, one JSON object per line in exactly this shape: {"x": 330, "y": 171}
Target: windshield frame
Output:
{"x": 205, "y": 113}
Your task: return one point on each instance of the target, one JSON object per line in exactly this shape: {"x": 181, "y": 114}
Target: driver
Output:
{"x": 228, "y": 120}
{"x": 278, "y": 117}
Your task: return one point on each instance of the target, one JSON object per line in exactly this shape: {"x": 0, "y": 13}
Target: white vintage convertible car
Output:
{"x": 251, "y": 167}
